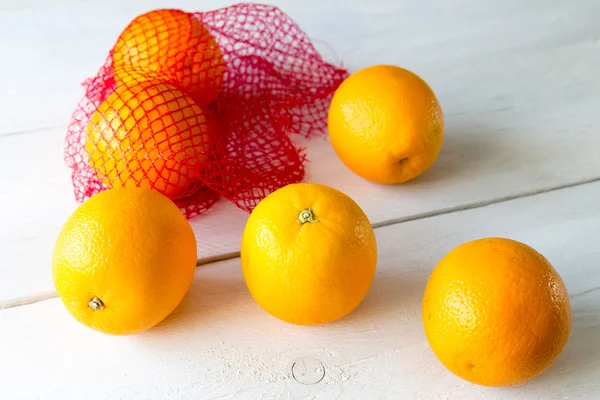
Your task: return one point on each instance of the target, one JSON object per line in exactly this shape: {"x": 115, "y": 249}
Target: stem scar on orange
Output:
{"x": 308, "y": 254}
{"x": 124, "y": 260}
{"x": 149, "y": 134}
{"x": 173, "y": 45}
{"x": 496, "y": 312}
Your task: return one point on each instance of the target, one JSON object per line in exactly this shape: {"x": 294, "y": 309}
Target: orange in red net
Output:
{"x": 200, "y": 106}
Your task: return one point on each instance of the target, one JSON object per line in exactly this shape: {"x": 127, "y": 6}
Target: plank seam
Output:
{"x": 578, "y": 295}
{"x": 33, "y": 130}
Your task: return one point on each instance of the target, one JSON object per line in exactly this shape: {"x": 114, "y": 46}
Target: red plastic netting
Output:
{"x": 201, "y": 105}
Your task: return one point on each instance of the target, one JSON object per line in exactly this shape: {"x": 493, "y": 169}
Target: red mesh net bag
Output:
{"x": 200, "y": 106}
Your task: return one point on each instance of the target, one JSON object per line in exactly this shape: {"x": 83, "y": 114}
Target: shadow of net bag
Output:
{"x": 200, "y": 106}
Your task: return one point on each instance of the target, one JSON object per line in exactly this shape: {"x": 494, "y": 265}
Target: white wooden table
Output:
{"x": 519, "y": 82}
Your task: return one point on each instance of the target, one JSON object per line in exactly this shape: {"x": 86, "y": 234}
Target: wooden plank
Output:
{"x": 49, "y": 47}
{"x": 220, "y": 345}
{"x": 471, "y": 170}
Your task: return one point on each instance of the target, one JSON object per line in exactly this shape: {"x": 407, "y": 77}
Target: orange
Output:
{"x": 149, "y": 134}
{"x": 386, "y": 124}
{"x": 172, "y": 45}
{"x": 496, "y": 312}
{"x": 308, "y": 254}
{"x": 124, "y": 260}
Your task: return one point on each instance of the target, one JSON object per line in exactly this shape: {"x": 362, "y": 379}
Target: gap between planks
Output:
{"x": 33, "y": 130}
{"x": 31, "y": 299}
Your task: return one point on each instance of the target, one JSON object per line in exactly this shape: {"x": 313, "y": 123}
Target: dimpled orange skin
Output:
{"x": 386, "y": 124}
{"x": 308, "y": 273}
{"x": 149, "y": 134}
{"x": 173, "y": 45}
{"x": 131, "y": 248}
{"x": 496, "y": 312}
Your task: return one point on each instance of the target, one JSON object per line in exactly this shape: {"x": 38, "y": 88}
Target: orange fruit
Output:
{"x": 496, "y": 312}
{"x": 172, "y": 45}
{"x": 124, "y": 260}
{"x": 308, "y": 254}
{"x": 386, "y": 124}
{"x": 149, "y": 134}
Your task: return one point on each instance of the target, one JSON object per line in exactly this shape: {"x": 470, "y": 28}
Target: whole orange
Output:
{"x": 496, "y": 312}
{"x": 172, "y": 45}
{"x": 149, "y": 134}
{"x": 124, "y": 260}
{"x": 308, "y": 254}
{"x": 386, "y": 124}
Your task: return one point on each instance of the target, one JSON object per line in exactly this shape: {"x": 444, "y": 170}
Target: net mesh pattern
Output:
{"x": 200, "y": 106}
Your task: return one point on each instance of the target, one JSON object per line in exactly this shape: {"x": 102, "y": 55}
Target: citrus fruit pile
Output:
{"x": 495, "y": 311}
{"x": 152, "y": 131}
{"x": 200, "y": 106}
